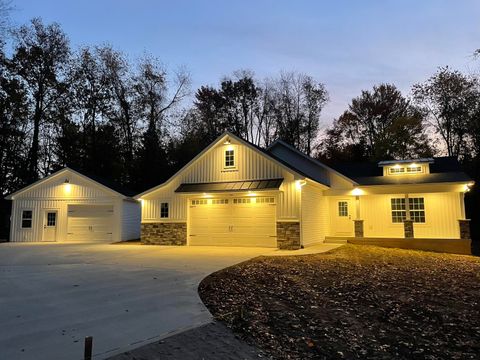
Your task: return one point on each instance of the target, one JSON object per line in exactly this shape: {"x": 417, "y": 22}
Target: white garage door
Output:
{"x": 233, "y": 222}
{"x": 90, "y": 223}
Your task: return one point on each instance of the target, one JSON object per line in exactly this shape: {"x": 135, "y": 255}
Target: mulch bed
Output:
{"x": 353, "y": 302}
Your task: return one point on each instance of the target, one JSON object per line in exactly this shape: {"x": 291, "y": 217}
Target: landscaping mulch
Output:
{"x": 353, "y": 302}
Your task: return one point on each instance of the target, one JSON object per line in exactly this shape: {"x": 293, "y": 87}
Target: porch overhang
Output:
{"x": 230, "y": 186}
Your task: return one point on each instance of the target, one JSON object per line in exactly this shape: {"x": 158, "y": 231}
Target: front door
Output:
{"x": 50, "y": 225}
{"x": 343, "y": 224}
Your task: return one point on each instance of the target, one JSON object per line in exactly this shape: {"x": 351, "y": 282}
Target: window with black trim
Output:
{"x": 27, "y": 216}
{"x": 164, "y": 210}
{"x": 229, "y": 158}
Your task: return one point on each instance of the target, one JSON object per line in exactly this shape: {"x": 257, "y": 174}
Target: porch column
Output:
{"x": 357, "y": 222}
{"x": 408, "y": 222}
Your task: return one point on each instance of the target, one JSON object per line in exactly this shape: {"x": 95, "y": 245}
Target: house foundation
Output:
{"x": 288, "y": 235}
{"x": 164, "y": 233}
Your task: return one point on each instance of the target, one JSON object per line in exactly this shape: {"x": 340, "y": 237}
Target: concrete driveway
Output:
{"x": 53, "y": 295}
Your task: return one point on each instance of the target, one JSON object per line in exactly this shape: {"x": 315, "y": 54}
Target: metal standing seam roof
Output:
{"x": 230, "y": 186}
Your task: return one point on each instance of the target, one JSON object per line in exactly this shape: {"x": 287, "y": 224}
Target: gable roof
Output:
{"x": 105, "y": 184}
{"x": 312, "y": 168}
{"x": 212, "y": 145}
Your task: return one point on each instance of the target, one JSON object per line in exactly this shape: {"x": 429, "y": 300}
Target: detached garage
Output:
{"x": 69, "y": 206}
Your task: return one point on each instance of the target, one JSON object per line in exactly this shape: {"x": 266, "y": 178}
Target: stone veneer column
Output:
{"x": 408, "y": 229}
{"x": 464, "y": 229}
{"x": 358, "y": 228}
{"x": 288, "y": 235}
{"x": 164, "y": 233}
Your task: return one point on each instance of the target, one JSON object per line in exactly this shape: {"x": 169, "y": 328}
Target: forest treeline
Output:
{"x": 137, "y": 122}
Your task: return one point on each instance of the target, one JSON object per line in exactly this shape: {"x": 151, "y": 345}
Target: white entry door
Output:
{"x": 342, "y": 223}
{"x": 50, "y": 225}
{"x": 90, "y": 223}
{"x": 233, "y": 222}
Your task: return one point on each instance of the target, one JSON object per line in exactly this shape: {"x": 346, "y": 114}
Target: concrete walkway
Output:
{"x": 310, "y": 250}
{"x": 53, "y": 295}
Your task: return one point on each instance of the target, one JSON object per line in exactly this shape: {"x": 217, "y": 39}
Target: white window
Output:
{"x": 164, "y": 210}
{"x": 229, "y": 159}
{"x": 342, "y": 208}
{"x": 417, "y": 209}
{"x": 219, "y": 201}
{"x": 200, "y": 202}
{"x": 27, "y": 219}
{"x": 399, "y": 210}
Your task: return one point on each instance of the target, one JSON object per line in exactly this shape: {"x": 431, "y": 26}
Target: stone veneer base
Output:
{"x": 164, "y": 233}
{"x": 288, "y": 235}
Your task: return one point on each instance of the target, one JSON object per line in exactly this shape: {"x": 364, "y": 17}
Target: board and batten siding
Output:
{"x": 442, "y": 211}
{"x": 315, "y": 215}
{"x": 38, "y": 207}
{"x": 209, "y": 168}
{"x": 131, "y": 218}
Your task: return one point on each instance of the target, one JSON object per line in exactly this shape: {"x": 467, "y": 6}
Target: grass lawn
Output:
{"x": 353, "y": 302}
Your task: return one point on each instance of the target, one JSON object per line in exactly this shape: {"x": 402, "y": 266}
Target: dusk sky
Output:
{"x": 347, "y": 45}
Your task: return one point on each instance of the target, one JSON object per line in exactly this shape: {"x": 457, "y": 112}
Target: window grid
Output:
{"x": 417, "y": 209}
{"x": 219, "y": 201}
{"x": 27, "y": 219}
{"x": 200, "y": 202}
{"x": 229, "y": 158}
{"x": 396, "y": 170}
{"x": 265, "y": 200}
{"x": 399, "y": 210}
{"x": 164, "y": 210}
{"x": 242, "y": 201}
{"x": 414, "y": 169}
{"x": 342, "y": 208}
{"x": 51, "y": 219}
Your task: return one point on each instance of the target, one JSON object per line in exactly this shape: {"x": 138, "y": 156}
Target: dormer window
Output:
{"x": 406, "y": 167}
{"x": 397, "y": 170}
{"x": 229, "y": 159}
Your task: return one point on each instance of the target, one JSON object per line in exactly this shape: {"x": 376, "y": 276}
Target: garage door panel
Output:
{"x": 90, "y": 223}
{"x": 236, "y": 222}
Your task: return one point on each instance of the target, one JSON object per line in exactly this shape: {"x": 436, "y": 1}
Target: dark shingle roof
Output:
{"x": 443, "y": 169}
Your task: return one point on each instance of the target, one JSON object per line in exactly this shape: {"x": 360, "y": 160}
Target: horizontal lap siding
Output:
{"x": 209, "y": 168}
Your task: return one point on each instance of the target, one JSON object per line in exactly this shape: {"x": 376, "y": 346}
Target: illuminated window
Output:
{"x": 164, "y": 210}
{"x": 414, "y": 169}
{"x": 229, "y": 158}
{"x": 27, "y": 219}
{"x": 397, "y": 170}
{"x": 342, "y": 208}
{"x": 399, "y": 210}
{"x": 417, "y": 209}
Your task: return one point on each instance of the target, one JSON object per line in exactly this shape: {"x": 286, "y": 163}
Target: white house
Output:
{"x": 234, "y": 193}
{"x": 69, "y": 206}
